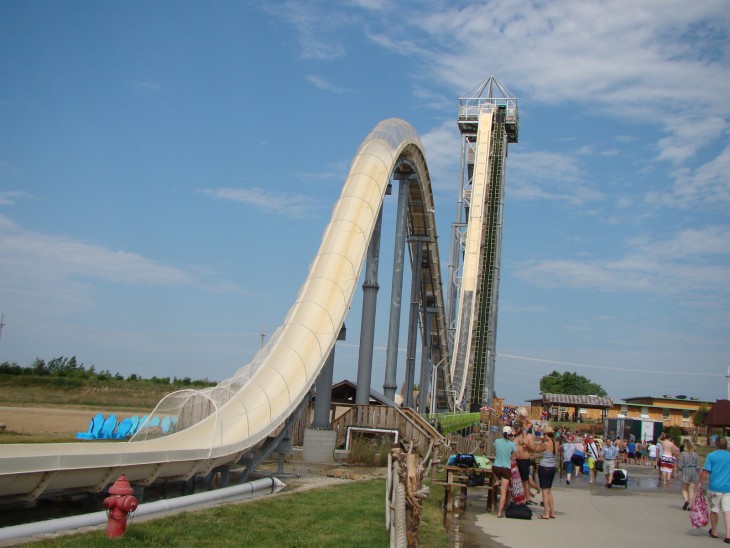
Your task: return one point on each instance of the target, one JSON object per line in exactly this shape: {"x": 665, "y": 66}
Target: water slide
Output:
{"x": 217, "y": 427}
{"x": 463, "y": 355}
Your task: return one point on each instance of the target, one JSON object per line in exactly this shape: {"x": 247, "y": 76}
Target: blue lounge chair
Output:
{"x": 135, "y": 425}
{"x": 141, "y": 424}
{"x": 123, "y": 429}
{"x": 107, "y": 429}
{"x": 154, "y": 422}
{"x": 166, "y": 424}
{"x": 94, "y": 427}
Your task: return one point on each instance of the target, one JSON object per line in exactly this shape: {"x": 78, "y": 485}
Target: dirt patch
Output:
{"x": 52, "y": 421}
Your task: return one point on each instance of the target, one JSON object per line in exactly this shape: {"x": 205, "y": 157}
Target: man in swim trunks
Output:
{"x": 525, "y": 445}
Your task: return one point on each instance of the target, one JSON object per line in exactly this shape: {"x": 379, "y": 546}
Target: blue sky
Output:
{"x": 167, "y": 169}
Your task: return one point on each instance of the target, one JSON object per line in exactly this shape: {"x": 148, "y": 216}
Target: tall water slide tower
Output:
{"x": 488, "y": 121}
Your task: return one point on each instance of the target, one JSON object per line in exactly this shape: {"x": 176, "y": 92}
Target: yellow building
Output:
{"x": 670, "y": 410}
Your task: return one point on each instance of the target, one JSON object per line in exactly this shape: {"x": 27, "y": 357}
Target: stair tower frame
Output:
{"x": 491, "y": 95}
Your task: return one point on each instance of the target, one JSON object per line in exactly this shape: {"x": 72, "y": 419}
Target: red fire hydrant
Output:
{"x": 118, "y": 505}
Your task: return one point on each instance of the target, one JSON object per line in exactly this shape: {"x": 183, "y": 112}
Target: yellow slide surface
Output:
{"x": 217, "y": 426}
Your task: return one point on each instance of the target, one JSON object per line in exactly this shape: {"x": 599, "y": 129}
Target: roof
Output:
{"x": 665, "y": 397}
{"x": 344, "y": 392}
{"x": 576, "y": 400}
{"x": 663, "y": 406}
{"x": 719, "y": 415}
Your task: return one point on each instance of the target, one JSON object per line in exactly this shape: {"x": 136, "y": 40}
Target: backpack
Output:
{"x": 474, "y": 479}
{"x": 466, "y": 461}
{"x": 518, "y": 511}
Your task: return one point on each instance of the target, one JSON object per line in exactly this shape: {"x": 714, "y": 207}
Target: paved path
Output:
{"x": 644, "y": 515}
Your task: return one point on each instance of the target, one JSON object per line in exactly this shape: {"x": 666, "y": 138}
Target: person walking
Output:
{"x": 690, "y": 473}
{"x": 610, "y": 454}
{"x": 594, "y": 455}
{"x": 579, "y": 457}
{"x": 717, "y": 469}
{"x": 504, "y": 449}
{"x": 666, "y": 458}
{"x": 631, "y": 452}
{"x": 568, "y": 449}
{"x": 546, "y": 472}
{"x": 652, "y": 451}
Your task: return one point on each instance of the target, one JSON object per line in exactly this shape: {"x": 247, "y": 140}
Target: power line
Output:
{"x": 610, "y": 367}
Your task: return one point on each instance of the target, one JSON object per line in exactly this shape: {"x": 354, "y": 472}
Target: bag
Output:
{"x": 518, "y": 511}
{"x": 599, "y": 466}
{"x": 620, "y": 477}
{"x": 578, "y": 458}
{"x": 699, "y": 512}
{"x": 474, "y": 479}
{"x": 516, "y": 489}
{"x": 466, "y": 461}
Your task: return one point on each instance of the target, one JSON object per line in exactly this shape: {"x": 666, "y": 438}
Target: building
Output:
{"x": 669, "y": 410}
{"x": 569, "y": 407}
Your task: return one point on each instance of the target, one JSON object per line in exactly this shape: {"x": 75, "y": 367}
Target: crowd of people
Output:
{"x": 580, "y": 454}
{"x": 585, "y": 455}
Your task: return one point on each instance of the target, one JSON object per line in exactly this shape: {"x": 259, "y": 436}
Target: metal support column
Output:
{"x": 367, "y": 326}
{"x": 424, "y": 383}
{"x": 323, "y": 401}
{"x": 413, "y": 320}
{"x": 401, "y": 227}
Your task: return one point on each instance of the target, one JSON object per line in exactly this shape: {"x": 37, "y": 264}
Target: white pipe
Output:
{"x": 227, "y": 494}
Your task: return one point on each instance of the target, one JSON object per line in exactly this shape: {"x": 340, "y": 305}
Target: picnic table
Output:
{"x": 456, "y": 482}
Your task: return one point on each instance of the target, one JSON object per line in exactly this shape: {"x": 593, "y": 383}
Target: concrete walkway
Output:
{"x": 644, "y": 515}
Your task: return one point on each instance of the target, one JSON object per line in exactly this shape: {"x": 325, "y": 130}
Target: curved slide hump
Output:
{"x": 218, "y": 426}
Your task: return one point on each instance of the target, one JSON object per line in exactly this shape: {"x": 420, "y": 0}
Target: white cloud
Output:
{"x": 678, "y": 265}
{"x": 60, "y": 273}
{"x": 145, "y": 87}
{"x": 316, "y": 30}
{"x": 279, "y": 203}
{"x": 323, "y": 84}
{"x": 442, "y": 146}
{"x": 549, "y": 176}
{"x": 9, "y": 197}
{"x": 707, "y": 185}
{"x": 644, "y": 61}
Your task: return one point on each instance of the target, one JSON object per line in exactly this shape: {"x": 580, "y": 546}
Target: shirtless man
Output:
{"x": 667, "y": 459}
{"x": 525, "y": 445}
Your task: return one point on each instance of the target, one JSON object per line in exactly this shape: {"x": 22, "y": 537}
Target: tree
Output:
{"x": 570, "y": 383}
{"x": 698, "y": 420}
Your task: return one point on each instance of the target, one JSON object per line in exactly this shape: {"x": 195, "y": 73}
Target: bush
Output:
{"x": 675, "y": 434}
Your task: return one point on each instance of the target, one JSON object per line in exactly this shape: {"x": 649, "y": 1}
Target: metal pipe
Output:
{"x": 161, "y": 507}
{"x": 396, "y": 292}
{"x": 423, "y": 384}
{"x": 323, "y": 401}
{"x": 413, "y": 322}
{"x": 367, "y": 325}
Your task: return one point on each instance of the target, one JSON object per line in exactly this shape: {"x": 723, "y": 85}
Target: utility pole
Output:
{"x": 263, "y": 336}
{"x": 2, "y": 324}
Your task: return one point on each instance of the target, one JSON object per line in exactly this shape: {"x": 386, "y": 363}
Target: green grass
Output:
{"x": 458, "y": 421}
{"x": 351, "y": 514}
{"x": 116, "y": 394}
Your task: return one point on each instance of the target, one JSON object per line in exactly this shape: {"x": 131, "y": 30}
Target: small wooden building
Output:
{"x": 343, "y": 399}
{"x": 569, "y": 407}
